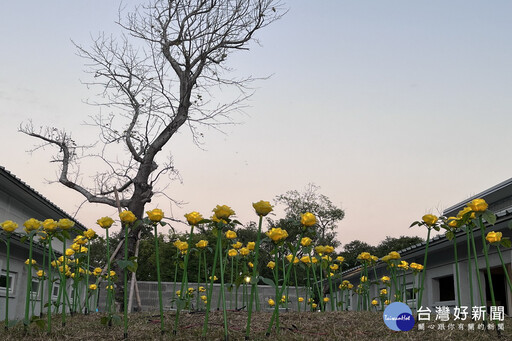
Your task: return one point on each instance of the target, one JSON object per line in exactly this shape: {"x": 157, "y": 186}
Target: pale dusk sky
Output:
{"x": 394, "y": 108}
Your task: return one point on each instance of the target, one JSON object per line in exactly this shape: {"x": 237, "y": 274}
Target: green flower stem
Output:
{"x": 160, "y": 301}
{"x": 223, "y": 293}
{"x": 29, "y": 284}
{"x": 418, "y": 305}
{"x": 469, "y": 266}
{"x": 275, "y": 271}
{"x": 210, "y": 289}
{"x": 504, "y": 268}
{"x": 87, "y": 307}
{"x": 296, "y": 287}
{"x": 198, "y": 279}
{"x": 254, "y": 279}
{"x": 175, "y": 274}
{"x": 321, "y": 286}
{"x": 313, "y": 267}
{"x": 125, "y": 275}
{"x": 288, "y": 271}
{"x": 456, "y": 267}
{"x": 63, "y": 280}
{"x": 482, "y": 301}
{"x": 8, "y": 281}
{"x": 331, "y": 291}
{"x": 236, "y": 290}
{"x": 41, "y": 283}
{"x": 109, "y": 280}
{"x": 307, "y": 289}
{"x": 232, "y": 261}
{"x": 50, "y": 282}
{"x": 489, "y": 277}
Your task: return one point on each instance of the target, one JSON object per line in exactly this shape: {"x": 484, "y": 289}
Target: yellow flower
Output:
{"x": 314, "y": 305}
{"x": 416, "y": 266}
{"x": 301, "y": 299}
{"x": 90, "y": 234}
{"x": 364, "y": 256}
{"x": 327, "y": 258}
{"x": 201, "y": 289}
{"x": 271, "y": 302}
{"x": 244, "y": 251}
{"x": 41, "y": 273}
{"x": 105, "y": 222}
{"x": 237, "y": 245}
{"x": 306, "y": 241}
{"x": 478, "y": 205}
{"x": 386, "y": 258}
{"x": 386, "y": 302}
{"x": 364, "y": 279}
{"x": 70, "y": 252}
{"x": 182, "y": 246}
{"x": 127, "y": 217}
{"x": 464, "y": 211}
{"x": 49, "y": 225}
{"x": 277, "y": 234}
{"x": 93, "y": 287}
{"x": 232, "y": 253}
{"x": 334, "y": 267}
{"x": 251, "y": 245}
{"x": 493, "y": 237}
{"x": 33, "y": 262}
{"x": 375, "y": 302}
{"x": 320, "y": 249}
{"x": 223, "y": 212}
{"x": 110, "y": 287}
{"x": 453, "y": 221}
{"x": 9, "y": 226}
{"x": 308, "y": 219}
{"x": 295, "y": 260}
{"x": 230, "y": 234}
{"x": 305, "y": 259}
{"x": 155, "y": 215}
{"x": 394, "y": 255}
{"x": 329, "y": 249}
{"x": 112, "y": 273}
{"x": 81, "y": 240}
{"x": 65, "y": 224}
{"x": 193, "y": 218}
{"x": 384, "y": 292}
{"x": 326, "y": 299}
{"x": 429, "y": 219}
{"x": 178, "y": 292}
{"x": 204, "y": 297}
{"x": 214, "y": 278}
{"x": 314, "y": 260}
{"x": 404, "y": 265}
{"x": 202, "y": 244}
{"x": 31, "y": 225}
{"x": 43, "y": 235}
{"x": 262, "y": 208}
{"x": 340, "y": 259}
{"x": 97, "y": 271}
{"x": 283, "y": 299}
{"x": 271, "y": 265}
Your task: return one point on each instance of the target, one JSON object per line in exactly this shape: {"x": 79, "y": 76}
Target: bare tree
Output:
{"x": 164, "y": 72}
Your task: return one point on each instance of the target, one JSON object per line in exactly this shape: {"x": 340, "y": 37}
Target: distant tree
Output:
{"x": 395, "y": 244}
{"x": 297, "y": 203}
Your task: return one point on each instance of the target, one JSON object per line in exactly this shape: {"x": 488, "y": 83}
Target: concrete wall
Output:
{"x": 149, "y": 296}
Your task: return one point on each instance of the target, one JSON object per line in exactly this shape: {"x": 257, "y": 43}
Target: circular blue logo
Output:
{"x": 398, "y": 317}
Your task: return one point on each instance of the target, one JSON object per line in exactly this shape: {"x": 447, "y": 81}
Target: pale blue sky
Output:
{"x": 394, "y": 108}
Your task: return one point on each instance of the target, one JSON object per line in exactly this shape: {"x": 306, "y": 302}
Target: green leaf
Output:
{"x": 489, "y": 217}
{"x": 268, "y": 281}
{"x": 505, "y": 242}
{"x": 123, "y": 264}
{"x": 59, "y": 237}
{"x": 133, "y": 266}
{"x": 41, "y": 323}
{"x": 449, "y": 235}
{"x": 24, "y": 239}
{"x": 104, "y": 320}
{"x": 66, "y": 234}
{"x": 116, "y": 319}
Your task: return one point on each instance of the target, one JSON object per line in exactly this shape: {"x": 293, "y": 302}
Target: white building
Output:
{"x": 440, "y": 287}
{"x": 19, "y": 202}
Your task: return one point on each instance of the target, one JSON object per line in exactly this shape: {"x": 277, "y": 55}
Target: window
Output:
{"x": 34, "y": 291}
{"x": 55, "y": 290}
{"x": 446, "y": 288}
{"x": 3, "y": 282}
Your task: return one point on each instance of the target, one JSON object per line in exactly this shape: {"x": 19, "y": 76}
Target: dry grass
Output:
{"x": 294, "y": 326}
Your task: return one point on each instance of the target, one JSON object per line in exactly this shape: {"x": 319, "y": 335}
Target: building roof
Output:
{"x": 27, "y": 194}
